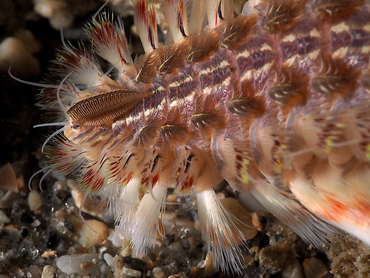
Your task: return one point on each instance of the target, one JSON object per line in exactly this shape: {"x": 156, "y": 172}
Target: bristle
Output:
{"x": 220, "y": 233}
{"x": 275, "y": 101}
{"x": 217, "y": 11}
{"x": 65, "y": 156}
{"x": 127, "y": 205}
{"x": 335, "y": 77}
{"x": 175, "y": 13}
{"x": 284, "y": 206}
{"x": 233, "y": 161}
{"x": 84, "y": 71}
{"x": 196, "y": 16}
{"x": 109, "y": 41}
{"x": 146, "y": 24}
{"x": 346, "y": 216}
{"x": 332, "y": 10}
{"x": 279, "y": 14}
{"x": 147, "y": 222}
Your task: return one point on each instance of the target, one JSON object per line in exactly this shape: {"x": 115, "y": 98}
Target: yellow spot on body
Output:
{"x": 314, "y": 33}
{"x": 365, "y": 49}
{"x": 341, "y": 27}
{"x": 341, "y": 52}
{"x": 244, "y": 54}
{"x": 246, "y": 76}
{"x": 244, "y": 171}
{"x": 366, "y": 28}
{"x": 221, "y": 65}
{"x": 265, "y": 46}
{"x": 181, "y": 82}
{"x": 368, "y": 151}
{"x": 291, "y": 60}
{"x": 313, "y": 55}
{"x": 289, "y": 38}
{"x": 187, "y": 99}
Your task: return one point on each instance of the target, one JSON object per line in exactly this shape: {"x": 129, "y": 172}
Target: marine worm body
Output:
{"x": 275, "y": 101}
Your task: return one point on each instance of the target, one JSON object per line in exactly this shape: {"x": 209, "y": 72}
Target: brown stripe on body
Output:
{"x": 183, "y": 90}
{"x": 152, "y": 108}
{"x": 300, "y": 45}
{"x": 255, "y": 60}
{"x": 350, "y": 39}
{"x": 217, "y": 78}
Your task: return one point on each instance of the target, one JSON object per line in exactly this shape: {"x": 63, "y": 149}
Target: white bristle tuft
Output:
{"x": 175, "y": 14}
{"x": 146, "y": 24}
{"x": 146, "y": 223}
{"x": 284, "y": 206}
{"x": 220, "y": 233}
{"x": 109, "y": 41}
{"x": 83, "y": 69}
{"x": 218, "y": 10}
{"x": 128, "y": 202}
{"x": 196, "y": 17}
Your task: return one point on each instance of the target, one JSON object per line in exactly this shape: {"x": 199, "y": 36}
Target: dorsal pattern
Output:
{"x": 275, "y": 101}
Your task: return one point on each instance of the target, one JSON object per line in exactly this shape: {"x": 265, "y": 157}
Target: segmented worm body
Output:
{"x": 275, "y": 101}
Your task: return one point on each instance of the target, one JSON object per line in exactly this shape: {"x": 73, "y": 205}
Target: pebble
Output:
{"x": 48, "y": 271}
{"x": 238, "y": 211}
{"x": 91, "y": 206}
{"x": 92, "y": 232}
{"x": 77, "y": 263}
{"x": 7, "y": 199}
{"x": 292, "y": 270}
{"x": 8, "y": 180}
{"x": 158, "y": 272}
{"x": 28, "y": 39}
{"x": 109, "y": 259}
{"x": 49, "y": 253}
{"x": 314, "y": 268}
{"x": 34, "y": 200}
{"x": 3, "y": 218}
{"x": 131, "y": 272}
{"x": 117, "y": 238}
{"x": 16, "y": 55}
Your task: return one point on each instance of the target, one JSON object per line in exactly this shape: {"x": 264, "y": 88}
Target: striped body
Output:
{"x": 274, "y": 101}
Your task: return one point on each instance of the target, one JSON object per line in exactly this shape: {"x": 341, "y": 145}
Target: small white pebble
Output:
{"x": 58, "y": 186}
{"x": 35, "y": 223}
{"x": 3, "y": 218}
{"x": 117, "y": 238}
{"x": 34, "y": 200}
{"x": 48, "y": 271}
{"x": 131, "y": 272}
{"x": 168, "y": 216}
{"x": 72, "y": 263}
{"x": 109, "y": 259}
